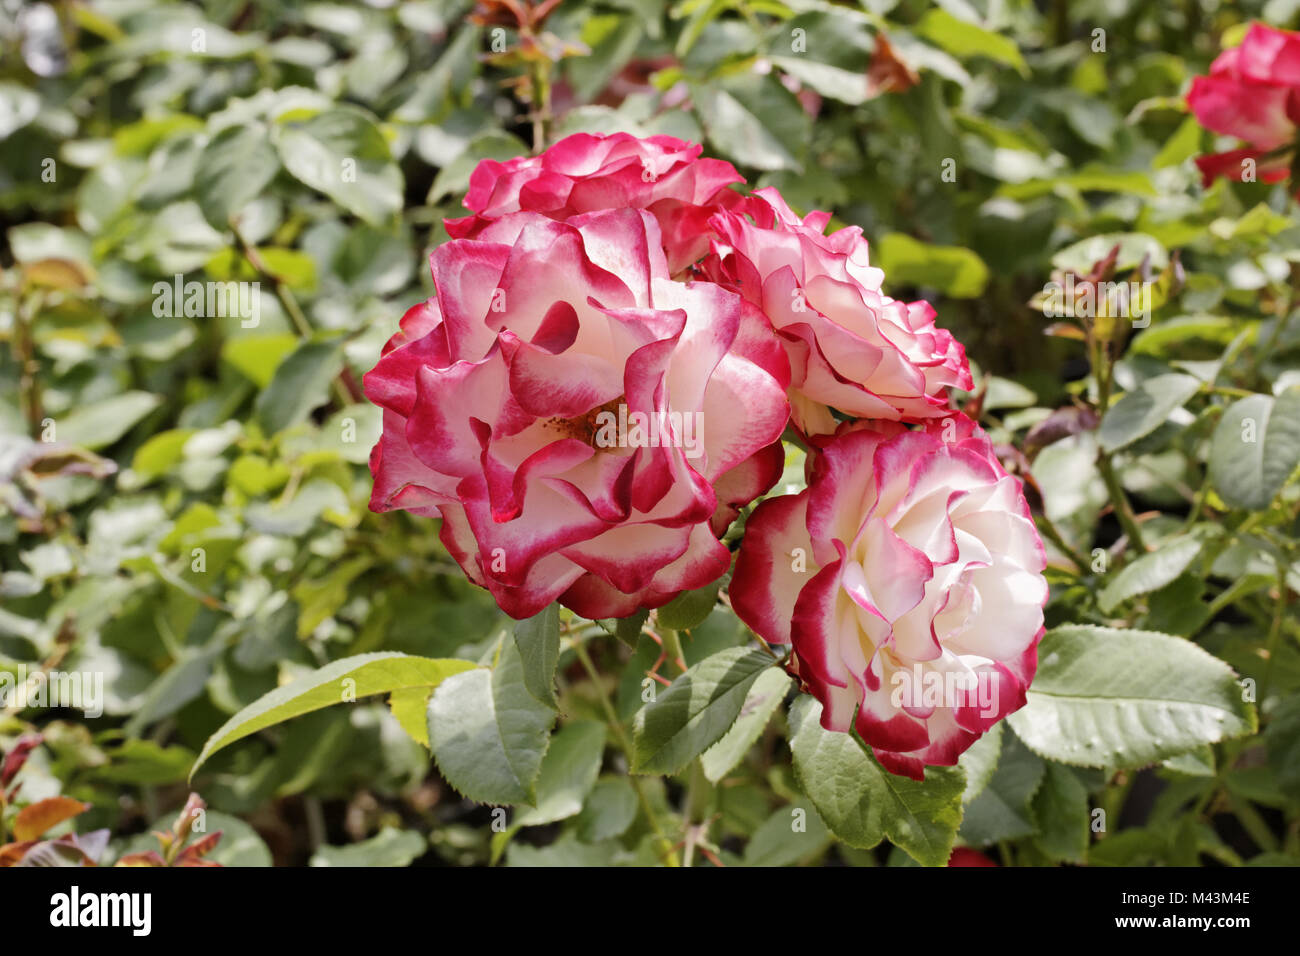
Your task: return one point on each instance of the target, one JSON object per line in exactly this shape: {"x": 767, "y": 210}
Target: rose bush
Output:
{"x": 503, "y": 399}
{"x": 184, "y": 487}
{"x": 909, "y": 565}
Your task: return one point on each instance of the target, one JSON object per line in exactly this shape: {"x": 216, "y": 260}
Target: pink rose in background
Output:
{"x": 588, "y": 173}
{"x": 585, "y": 425}
{"x": 908, "y": 577}
{"x": 851, "y": 347}
{"x": 1253, "y": 93}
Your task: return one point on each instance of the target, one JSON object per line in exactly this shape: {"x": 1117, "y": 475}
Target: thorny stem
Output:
{"x": 666, "y": 850}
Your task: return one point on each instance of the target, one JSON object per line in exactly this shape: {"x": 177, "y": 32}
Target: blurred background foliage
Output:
{"x": 183, "y": 497}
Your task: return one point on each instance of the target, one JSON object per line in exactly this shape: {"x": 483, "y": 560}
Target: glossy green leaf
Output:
{"x": 234, "y": 167}
{"x": 488, "y": 734}
{"x": 692, "y": 714}
{"x": 761, "y": 703}
{"x": 1119, "y": 698}
{"x": 1150, "y": 572}
{"x": 1144, "y": 409}
{"x": 862, "y": 802}
{"x": 342, "y": 681}
{"x": 1256, "y": 448}
{"x": 538, "y": 641}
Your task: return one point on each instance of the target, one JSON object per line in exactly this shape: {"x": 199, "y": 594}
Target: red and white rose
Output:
{"x": 588, "y": 173}
{"x": 908, "y": 577}
{"x": 585, "y": 425}
{"x": 852, "y": 348}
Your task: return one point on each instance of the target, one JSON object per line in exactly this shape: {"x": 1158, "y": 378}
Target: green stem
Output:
{"x": 1274, "y": 632}
{"x": 1049, "y": 529}
{"x": 1113, "y": 801}
{"x": 1102, "y": 371}
{"x": 24, "y": 348}
{"x": 666, "y": 850}
{"x": 673, "y": 646}
{"x": 541, "y": 102}
{"x": 1118, "y": 500}
{"x": 345, "y": 392}
{"x": 1253, "y": 824}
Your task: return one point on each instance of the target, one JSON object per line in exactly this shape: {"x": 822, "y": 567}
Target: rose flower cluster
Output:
{"x": 619, "y": 341}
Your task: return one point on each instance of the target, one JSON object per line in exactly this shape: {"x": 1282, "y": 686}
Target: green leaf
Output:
{"x": 953, "y": 270}
{"x": 1079, "y": 257}
{"x": 1282, "y": 740}
{"x": 705, "y": 12}
{"x": 342, "y": 153}
{"x": 788, "y": 836}
{"x": 162, "y": 451}
{"x": 1140, "y": 412}
{"x": 1194, "y": 763}
{"x": 233, "y": 169}
{"x": 964, "y": 40}
{"x": 626, "y": 629}
{"x": 689, "y": 608}
{"x": 695, "y": 711}
{"x": 343, "y": 680}
{"x": 1182, "y": 146}
{"x": 1085, "y": 180}
{"x": 1003, "y": 811}
{"x": 761, "y": 702}
{"x": 538, "y": 640}
{"x": 488, "y": 734}
{"x": 410, "y": 707}
{"x": 862, "y": 802}
{"x": 568, "y": 773}
{"x": 1255, "y": 448}
{"x": 566, "y": 851}
{"x": 847, "y": 86}
{"x": 18, "y": 107}
{"x": 1123, "y": 698}
{"x": 258, "y": 356}
{"x": 1165, "y": 339}
{"x": 733, "y": 128}
{"x": 980, "y": 761}
{"x": 389, "y": 847}
{"x": 1061, "y": 809}
{"x": 608, "y": 811}
{"x": 146, "y": 762}
{"x": 453, "y": 178}
{"x": 300, "y": 384}
{"x": 101, "y": 423}
{"x": 1150, "y": 572}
